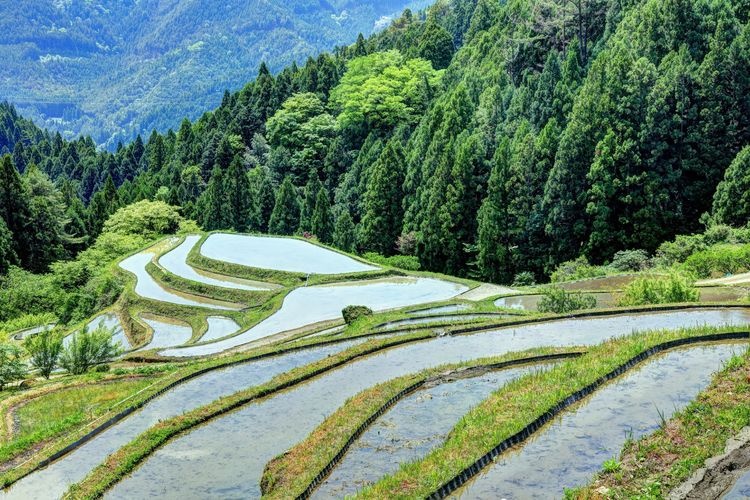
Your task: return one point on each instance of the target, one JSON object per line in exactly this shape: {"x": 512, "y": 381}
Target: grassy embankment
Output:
{"x": 509, "y": 410}
{"x": 289, "y": 474}
{"x": 657, "y": 463}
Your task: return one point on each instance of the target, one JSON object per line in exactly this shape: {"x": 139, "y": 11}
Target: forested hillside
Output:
{"x": 485, "y": 139}
{"x": 110, "y": 69}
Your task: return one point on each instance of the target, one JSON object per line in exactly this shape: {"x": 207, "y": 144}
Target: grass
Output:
{"x": 127, "y": 458}
{"x": 288, "y": 475}
{"x": 49, "y": 415}
{"x": 655, "y": 464}
{"x": 509, "y": 410}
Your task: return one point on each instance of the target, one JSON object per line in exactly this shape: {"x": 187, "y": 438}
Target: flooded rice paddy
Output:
{"x": 280, "y": 254}
{"x": 200, "y": 464}
{"x": 567, "y": 452}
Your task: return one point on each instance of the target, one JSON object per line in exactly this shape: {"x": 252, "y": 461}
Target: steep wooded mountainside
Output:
{"x": 112, "y": 69}
{"x": 484, "y": 139}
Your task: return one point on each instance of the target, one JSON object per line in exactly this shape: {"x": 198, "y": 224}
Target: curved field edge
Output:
{"x": 504, "y": 417}
{"x": 122, "y": 462}
{"x": 290, "y": 279}
{"x": 191, "y": 368}
{"x": 655, "y": 464}
{"x": 184, "y": 372}
{"x": 14, "y": 448}
{"x": 298, "y": 471}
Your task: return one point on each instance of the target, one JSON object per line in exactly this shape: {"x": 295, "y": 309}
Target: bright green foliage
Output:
{"x": 559, "y": 301}
{"x": 577, "y": 269}
{"x": 353, "y": 313}
{"x": 732, "y": 198}
{"x": 303, "y": 128}
{"x": 286, "y": 212}
{"x": 322, "y": 224}
{"x": 12, "y": 367}
{"x": 88, "y": 348}
{"x": 383, "y": 89}
{"x": 344, "y": 232}
{"x": 719, "y": 260}
{"x": 148, "y": 219}
{"x": 382, "y": 212}
{"x": 660, "y": 290}
{"x": 406, "y": 262}
{"x": 44, "y": 348}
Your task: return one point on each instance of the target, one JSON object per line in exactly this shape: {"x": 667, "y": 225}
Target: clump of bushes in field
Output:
{"x": 559, "y": 301}
{"x": 525, "y": 278}
{"x": 577, "y": 269}
{"x": 719, "y": 260}
{"x": 406, "y": 262}
{"x": 353, "y": 313}
{"x": 46, "y": 352}
{"x": 673, "y": 288}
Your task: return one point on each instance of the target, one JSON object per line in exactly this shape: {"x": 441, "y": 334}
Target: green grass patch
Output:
{"x": 49, "y": 415}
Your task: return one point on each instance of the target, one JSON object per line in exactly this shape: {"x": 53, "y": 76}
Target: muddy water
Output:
{"x": 148, "y": 288}
{"x": 531, "y": 302}
{"x": 281, "y": 254}
{"x": 606, "y": 299}
{"x": 208, "y": 462}
{"x": 448, "y": 318}
{"x": 416, "y": 425}
{"x": 167, "y": 334}
{"x": 52, "y": 481}
{"x": 741, "y": 489}
{"x": 567, "y": 452}
{"x": 309, "y": 305}
{"x": 442, "y": 309}
{"x": 175, "y": 261}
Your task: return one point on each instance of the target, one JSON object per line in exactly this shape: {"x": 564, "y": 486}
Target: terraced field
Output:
{"x": 256, "y": 386}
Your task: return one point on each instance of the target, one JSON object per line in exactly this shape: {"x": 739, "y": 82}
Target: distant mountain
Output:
{"x": 115, "y": 68}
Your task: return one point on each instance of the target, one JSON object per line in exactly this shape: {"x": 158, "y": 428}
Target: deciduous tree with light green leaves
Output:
{"x": 383, "y": 89}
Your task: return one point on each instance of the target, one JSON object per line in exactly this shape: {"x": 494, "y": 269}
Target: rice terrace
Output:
{"x": 392, "y": 249}
{"x": 239, "y": 377}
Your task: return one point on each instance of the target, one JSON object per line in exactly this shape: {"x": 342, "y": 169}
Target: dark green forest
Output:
{"x": 486, "y": 139}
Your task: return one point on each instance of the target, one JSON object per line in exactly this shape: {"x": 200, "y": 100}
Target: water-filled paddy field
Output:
{"x": 199, "y": 462}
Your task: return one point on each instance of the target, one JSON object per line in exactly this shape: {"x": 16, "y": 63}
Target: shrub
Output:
{"x": 719, "y": 259}
{"x": 525, "y": 278}
{"x": 557, "y": 300}
{"x": 660, "y": 290}
{"x": 576, "y": 270}
{"x": 630, "y": 260}
{"x": 353, "y": 313}
{"x": 675, "y": 252}
{"x": 12, "y": 367}
{"x": 45, "y": 348}
{"x": 406, "y": 262}
{"x": 88, "y": 348}
{"x": 102, "y": 368}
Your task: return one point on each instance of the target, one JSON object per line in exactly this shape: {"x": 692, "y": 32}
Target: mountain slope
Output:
{"x": 112, "y": 69}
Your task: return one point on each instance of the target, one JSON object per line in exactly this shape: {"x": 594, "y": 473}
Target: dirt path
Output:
{"x": 735, "y": 279}
{"x": 720, "y": 473}
{"x": 486, "y": 291}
